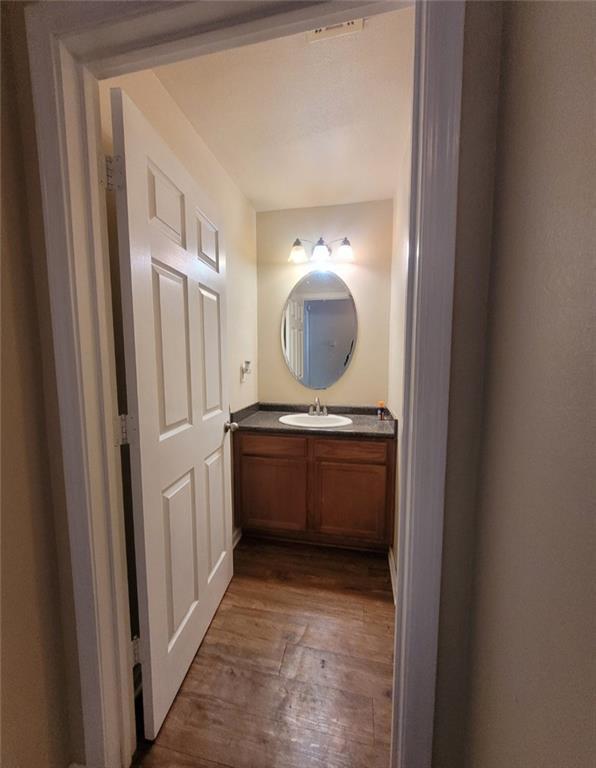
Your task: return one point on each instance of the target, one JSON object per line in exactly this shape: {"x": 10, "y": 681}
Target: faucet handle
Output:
{"x": 324, "y": 410}
{"x": 311, "y": 410}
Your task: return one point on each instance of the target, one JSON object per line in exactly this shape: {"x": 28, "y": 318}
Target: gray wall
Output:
{"x": 480, "y": 98}
{"x": 532, "y": 635}
{"x": 513, "y": 682}
{"x": 38, "y": 694}
{"x": 34, "y": 706}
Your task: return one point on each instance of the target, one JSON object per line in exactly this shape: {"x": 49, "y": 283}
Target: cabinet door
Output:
{"x": 351, "y": 499}
{"x": 274, "y": 493}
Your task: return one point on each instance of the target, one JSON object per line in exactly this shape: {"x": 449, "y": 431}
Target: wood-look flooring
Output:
{"x": 295, "y": 670}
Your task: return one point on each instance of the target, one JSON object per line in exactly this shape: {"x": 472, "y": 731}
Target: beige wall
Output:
{"x": 399, "y": 259}
{"x": 236, "y": 215}
{"x": 397, "y": 317}
{"x": 369, "y": 228}
{"x": 36, "y": 607}
{"x": 399, "y": 282}
{"x": 401, "y": 229}
{"x": 532, "y": 684}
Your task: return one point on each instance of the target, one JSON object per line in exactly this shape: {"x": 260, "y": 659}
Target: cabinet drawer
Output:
{"x": 271, "y": 445}
{"x": 366, "y": 452}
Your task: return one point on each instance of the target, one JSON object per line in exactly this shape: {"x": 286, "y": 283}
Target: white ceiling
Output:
{"x": 299, "y": 124}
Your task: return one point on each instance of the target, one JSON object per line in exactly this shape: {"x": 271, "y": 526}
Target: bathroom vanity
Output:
{"x": 301, "y": 472}
{"x": 333, "y": 486}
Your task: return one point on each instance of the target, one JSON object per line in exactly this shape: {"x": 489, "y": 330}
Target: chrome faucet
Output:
{"x": 316, "y": 408}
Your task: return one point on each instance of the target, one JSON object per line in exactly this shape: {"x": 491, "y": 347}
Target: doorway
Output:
{"x": 198, "y": 185}
{"x": 76, "y": 86}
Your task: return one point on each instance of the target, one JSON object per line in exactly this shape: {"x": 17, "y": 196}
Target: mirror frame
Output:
{"x": 281, "y": 330}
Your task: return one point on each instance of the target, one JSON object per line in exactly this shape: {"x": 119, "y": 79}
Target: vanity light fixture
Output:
{"x": 345, "y": 252}
{"x": 321, "y": 253}
{"x": 298, "y": 252}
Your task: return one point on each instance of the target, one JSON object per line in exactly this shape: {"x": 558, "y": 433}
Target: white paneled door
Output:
{"x": 173, "y": 297}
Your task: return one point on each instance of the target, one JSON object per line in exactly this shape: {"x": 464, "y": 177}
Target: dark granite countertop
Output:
{"x": 365, "y": 424}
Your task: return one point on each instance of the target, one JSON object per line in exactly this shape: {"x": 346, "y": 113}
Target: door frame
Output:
{"x": 71, "y": 47}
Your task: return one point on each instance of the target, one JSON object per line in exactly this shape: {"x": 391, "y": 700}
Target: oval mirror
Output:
{"x": 318, "y": 329}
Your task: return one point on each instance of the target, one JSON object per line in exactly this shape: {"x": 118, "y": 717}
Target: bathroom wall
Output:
{"x": 397, "y": 316}
{"x": 399, "y": 278}
{"x": 237, "y": 217}
{"x": 369, "y": 227}
{"x": 399, "y": 258}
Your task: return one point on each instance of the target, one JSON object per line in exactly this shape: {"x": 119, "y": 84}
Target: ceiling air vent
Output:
{"x": 335, "y": 30}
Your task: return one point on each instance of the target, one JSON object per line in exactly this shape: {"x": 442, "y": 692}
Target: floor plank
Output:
{"x": 295, "y": 670}
{"x": 243, "y": 651}
{"x": 241, "y": 738}
{"x": 355, "y": 638}
{"x": 267, "y": 596}
{"x": 338, "y": 670}
{"x": 382, "y": 720}
{"x": 161, "y": 757}
{"x": 279, "y": 698}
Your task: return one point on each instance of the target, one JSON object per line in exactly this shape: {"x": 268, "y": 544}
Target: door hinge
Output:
{"x": 113, "y": 174}
{"x": 125, "y": 427}
{"x": 136, "y": 650}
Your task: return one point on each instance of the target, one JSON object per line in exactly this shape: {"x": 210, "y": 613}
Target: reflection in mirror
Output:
{"x": 318, "y": 329}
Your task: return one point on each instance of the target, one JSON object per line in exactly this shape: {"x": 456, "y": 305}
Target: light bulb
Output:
{"x": 345, "y": 251}
{"x": 298, "y": 253}
{"x": 320, "y": 251}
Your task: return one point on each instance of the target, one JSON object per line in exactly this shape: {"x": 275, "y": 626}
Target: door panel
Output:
{"x": 215, "y": 505}
{"x": 182, "y": 572}
{"x": 207, "y": 242}
{"x": 166, "y": 205}
{"x": 173, "y": 304}
{"x": 211, "y": 349}
{"x": 170, "y": 302}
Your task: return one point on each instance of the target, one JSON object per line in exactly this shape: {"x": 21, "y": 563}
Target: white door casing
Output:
{"x": 173, "y": 297}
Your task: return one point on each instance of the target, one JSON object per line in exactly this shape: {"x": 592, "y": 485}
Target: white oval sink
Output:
{"x": 314, "y": 421}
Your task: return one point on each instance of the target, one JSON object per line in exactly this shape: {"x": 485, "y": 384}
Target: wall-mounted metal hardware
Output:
{"x": 136, "y": 650}
{"x": 335, "y": 30}
{"x": 113, "y": 173}
{"x": 244, "y": 370}
{"x": 122, "y": 432}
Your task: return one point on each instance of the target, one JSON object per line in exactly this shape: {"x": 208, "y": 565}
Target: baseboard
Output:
{"x": 236, "y": 536}
{"x": 393, "y": 573}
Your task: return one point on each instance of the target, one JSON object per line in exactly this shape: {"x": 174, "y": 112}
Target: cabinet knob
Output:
{"x": 230, "y": 426}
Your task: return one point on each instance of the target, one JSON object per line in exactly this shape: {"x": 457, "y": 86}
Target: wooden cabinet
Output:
{"x": 325, "y": 490}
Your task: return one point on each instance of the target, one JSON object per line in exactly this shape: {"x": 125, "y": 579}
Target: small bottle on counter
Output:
{"x": 381, "y": 410}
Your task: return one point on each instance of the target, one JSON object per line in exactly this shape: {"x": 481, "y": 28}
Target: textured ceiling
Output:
{"x": 300, "y": 124}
